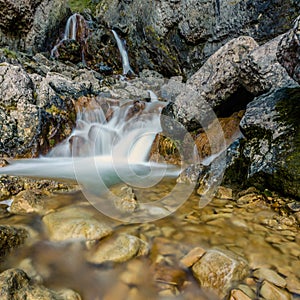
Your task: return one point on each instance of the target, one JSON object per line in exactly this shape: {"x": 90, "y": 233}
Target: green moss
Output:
{"x": 80, "y": 5}
{"x": 53, "y": 110}
{"x": 52, "y": 143}
{"x": 9, "y": 53}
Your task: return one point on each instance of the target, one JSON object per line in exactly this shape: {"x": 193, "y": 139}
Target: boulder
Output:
{"x": 288, "y": 52}
{"x": 271, "y": 148}
{"x": 260, "y": 71}
{"x": 216, "y": 86}
{"x": 75, "y": 224}
{"x": 117, "y": 250}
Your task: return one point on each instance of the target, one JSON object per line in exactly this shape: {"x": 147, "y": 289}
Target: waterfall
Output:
{"x": 124, "y": 54}
{"x": 76, "y": 29}
{"x": 115, "y": 142}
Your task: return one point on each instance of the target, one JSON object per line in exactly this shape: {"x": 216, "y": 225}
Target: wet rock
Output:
{"x": 218, "y": 270}
{"x": 15, "y": 284}
{"x": 10, "y": 238}
{"x": 224, "y": 193}
{"x": 212, "y": 141}
{"x": 260, "y": 71}
{"x": 119, "y": 249}
{"x": 271, "y": 128}
{"x": 126, "y": 201}
{"x": 289, "y": 49}
{"x": 30, "y": 201}
{"x": 271, "y": 276}
{"x": 9, "y": 186}
{"x": 75, "y": 224}
{"x": 271, "y": 292}
{"x": 192, "y": 257}
{"x": 238, "y": 295}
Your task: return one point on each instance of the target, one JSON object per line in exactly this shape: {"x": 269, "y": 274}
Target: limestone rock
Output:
{"x": 75, "y": 224}
{"x": 260, "y": 71}
{"x": 288, "y": 52}
{"x": 29, "y": 201}
{"x": 271, "y": 127}
{"x": 218, "y": 270}
{"x": 212, "y": 87}
{"x": 119, "y": 249}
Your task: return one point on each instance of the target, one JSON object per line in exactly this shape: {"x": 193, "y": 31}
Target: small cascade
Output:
{"x": 114, "y": 140}
{"x": 124, "y": 55}
{"x": 76, "y": 29}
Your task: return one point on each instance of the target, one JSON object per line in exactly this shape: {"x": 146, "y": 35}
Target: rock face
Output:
{"x": 288, "y": 53}
{"x": 271, "y": 128}
{"x": 176, "y": 37}
{"x": 218, "y": 270}
{"x": 29, "y": 25}
{"x": 37, "y": 102}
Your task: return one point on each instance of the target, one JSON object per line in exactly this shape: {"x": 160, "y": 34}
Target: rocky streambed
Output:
{"x": 241, "y": 245}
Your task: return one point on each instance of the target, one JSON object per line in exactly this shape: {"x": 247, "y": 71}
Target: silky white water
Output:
{"x": 102, "y": 152}
{"x": 124, "y": 54}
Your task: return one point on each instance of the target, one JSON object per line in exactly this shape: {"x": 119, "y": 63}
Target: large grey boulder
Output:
{"x": 213, "y": 87}
{"x": 271, "y": 148}
{"x": 260, "y": 71}
{"x": 288, "y": 52}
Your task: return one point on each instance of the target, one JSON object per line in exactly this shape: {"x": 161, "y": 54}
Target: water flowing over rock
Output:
{"x": 217, "y": 270}
{"x": 76, "y": 31}
{"x": 288, "y": 52}
{"x": 271, "y": 148}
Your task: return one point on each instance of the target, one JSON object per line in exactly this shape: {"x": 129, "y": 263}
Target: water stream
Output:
{"x": 76, "y": 29}
{"x": 124, "y": 54}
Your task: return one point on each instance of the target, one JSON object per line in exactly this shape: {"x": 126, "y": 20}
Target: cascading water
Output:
{"x": 76, "y": 29}
{"x": 124, "y": 55}
{"x": 113, "y": 142}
